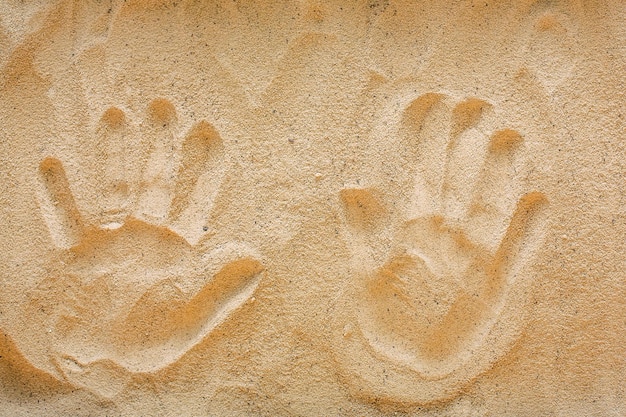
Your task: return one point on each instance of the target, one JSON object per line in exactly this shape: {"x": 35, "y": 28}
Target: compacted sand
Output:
{"x": 313, "y": 208}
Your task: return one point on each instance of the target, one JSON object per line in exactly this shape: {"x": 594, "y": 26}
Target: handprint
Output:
{"x": 437, "y": 307}
{"x": 137, "y": 290}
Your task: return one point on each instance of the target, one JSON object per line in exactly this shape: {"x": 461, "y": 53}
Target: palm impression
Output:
{"x": 439, "y": 303}
{"x": 133, "y": 288}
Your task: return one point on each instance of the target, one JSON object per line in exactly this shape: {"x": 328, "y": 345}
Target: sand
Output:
{"x": 309, "y": 208}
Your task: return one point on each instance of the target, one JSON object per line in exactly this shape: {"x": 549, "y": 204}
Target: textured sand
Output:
{"x": 313, "y": 208}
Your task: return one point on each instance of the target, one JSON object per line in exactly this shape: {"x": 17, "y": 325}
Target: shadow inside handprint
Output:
{"x": 138, "y": 289}
{"x": 440, "y": 308}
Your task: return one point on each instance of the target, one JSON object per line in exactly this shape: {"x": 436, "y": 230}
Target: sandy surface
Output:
{"x": 312, "y": 208}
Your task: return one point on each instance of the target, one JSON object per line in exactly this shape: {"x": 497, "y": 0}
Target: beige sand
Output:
{"x": 313, "y": 208}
